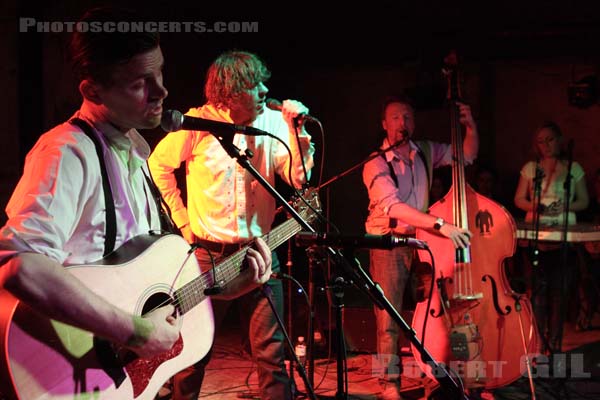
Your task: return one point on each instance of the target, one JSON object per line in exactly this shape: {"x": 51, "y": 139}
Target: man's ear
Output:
{"x": 90, "y": 91}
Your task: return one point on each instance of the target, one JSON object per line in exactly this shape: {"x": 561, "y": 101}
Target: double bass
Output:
{"x": 473, "y": 322}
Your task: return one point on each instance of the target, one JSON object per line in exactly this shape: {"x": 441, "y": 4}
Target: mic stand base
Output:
{"x": 337, "y": 289}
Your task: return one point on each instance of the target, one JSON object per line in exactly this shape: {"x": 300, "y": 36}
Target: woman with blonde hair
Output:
{"x": 542, "y": 189}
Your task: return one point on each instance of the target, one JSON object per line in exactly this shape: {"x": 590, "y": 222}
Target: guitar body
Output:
{"x": 46, "y": 359}
{"x": 42, "y": 358}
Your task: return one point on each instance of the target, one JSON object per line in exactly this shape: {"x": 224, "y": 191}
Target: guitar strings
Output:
{"x": 232, "y": 266}
{"x": 192, "y": 293}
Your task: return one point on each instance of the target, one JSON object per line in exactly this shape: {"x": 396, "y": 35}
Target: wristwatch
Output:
{"x": 438, "y": 224}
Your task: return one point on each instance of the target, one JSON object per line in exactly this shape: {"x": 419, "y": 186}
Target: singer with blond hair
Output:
{"x": 226, "y": 207}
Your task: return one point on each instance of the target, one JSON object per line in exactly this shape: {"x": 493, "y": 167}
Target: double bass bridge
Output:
{"x": 463, "y": 282}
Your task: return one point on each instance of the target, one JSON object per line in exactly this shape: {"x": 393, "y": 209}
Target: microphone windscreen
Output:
{"x": 171, "y": 120}
{"x": 273, "y": 104}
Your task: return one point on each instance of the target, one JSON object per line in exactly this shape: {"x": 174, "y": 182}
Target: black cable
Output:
{"x": 318, "y": 213}
{"x": 215, "y": 288}
{"x": 430, "y": 295}
{"x": 266, "y": 290}
{"x": 297, "y": 134}
{"x": 280, "y": 275}
{"x": 428, "y": 308}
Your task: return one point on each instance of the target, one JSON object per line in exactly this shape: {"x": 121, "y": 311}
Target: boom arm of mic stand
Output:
{"x": 366, "y": 284}
{"x": 346, "y": 172}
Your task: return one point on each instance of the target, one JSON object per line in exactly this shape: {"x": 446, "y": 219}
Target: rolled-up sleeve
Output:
{"x": 47, "y": 202}
{"x": 380, "y": 186}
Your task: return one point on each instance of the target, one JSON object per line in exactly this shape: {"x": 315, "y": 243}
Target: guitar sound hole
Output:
{"x": 155, "y": 301}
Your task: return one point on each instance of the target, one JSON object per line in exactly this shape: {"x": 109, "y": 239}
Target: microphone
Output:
{"x": 173, "y": 120}
{"x": 363, "y": 241}
{"x": 276, "y": 105}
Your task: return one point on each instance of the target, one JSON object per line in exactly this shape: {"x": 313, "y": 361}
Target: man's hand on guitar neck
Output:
{"x": 259, "y": 262}
{"x": 256, "y": 274}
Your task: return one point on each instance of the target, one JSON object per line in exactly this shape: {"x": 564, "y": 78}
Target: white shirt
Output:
{"x": 58, "y": 208}
{"x": 412, "y": 183}
{"x": 225, "y": 202}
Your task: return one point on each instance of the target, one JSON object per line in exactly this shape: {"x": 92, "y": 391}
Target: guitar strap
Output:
{"x": 164, "y": 211}
{"x": 111, "y": 217}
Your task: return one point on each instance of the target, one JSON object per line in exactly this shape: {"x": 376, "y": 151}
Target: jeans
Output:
{"x": 390, "y": 269}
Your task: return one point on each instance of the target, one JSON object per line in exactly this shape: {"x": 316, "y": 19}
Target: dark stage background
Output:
{"x": 518, "y": 61}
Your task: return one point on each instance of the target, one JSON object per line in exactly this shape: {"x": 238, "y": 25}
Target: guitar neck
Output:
{"x": 192, "y": 293}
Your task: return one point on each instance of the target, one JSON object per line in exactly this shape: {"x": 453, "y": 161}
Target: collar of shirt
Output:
{"x": 215, "y": 113}
{"x": 212, "y": 112}
{"x": 390, "y": 155}
{"x": 130, "y": 146}
{"x": 223, "y": 114}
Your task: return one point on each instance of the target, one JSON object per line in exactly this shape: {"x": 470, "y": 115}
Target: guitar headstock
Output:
{"x": 309, "y": 205}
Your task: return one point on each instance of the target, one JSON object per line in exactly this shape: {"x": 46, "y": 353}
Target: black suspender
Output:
{"x": 392, "y": 173}
{"x": 111, "y": 217}
{"x": 425, "y": 163}
{"x": 423, "y": 159}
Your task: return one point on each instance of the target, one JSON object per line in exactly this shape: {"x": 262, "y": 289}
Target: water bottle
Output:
{"x": 300, "y": 350}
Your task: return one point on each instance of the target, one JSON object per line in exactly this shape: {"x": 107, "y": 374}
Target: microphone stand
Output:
{"x": 357, "y": 275}
{"x": 565, "y": 246}
{"x": 534, "y": 244}
{"x": 352, "y": 269}
{"x": 314, "y": 260}
{"x": 243, "y": 159}
{"x": 537, "y": 209}
{"x": 354, "y": 167}
{"x": 289, "y": 265}
{"x": 363, "y": 282}
{"x": 312, "y": 255}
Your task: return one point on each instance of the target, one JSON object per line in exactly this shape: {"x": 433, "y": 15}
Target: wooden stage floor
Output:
{"x": 231, "y": 373}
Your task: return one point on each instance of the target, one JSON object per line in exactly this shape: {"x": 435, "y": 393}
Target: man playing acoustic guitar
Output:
{"x": 58, "y": 215}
